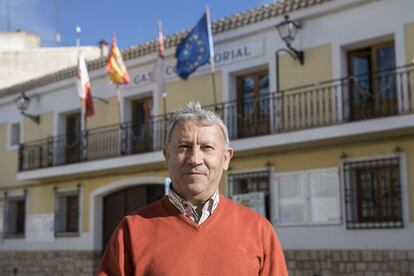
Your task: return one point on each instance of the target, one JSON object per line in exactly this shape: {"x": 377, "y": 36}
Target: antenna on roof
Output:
{"x": 78, "y": 31}
{"x": 58, "y": 38}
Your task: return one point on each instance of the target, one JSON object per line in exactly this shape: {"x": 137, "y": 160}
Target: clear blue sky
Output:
{"x": 133, "y": 21}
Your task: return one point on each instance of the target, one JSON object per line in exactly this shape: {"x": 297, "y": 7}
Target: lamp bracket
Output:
{"x": 34, "y": 118}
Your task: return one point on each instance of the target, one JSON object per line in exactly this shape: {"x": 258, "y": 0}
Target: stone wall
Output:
{"x": 350, "y": 262}
{"x": 299, "y": 262}
{"x": 40, "y": 263}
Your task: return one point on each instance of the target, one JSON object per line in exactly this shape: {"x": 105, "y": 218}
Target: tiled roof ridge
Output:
{"x": 221, "y": 25}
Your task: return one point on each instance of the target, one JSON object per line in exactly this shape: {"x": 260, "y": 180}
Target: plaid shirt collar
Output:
{"x": 189, "y": 210}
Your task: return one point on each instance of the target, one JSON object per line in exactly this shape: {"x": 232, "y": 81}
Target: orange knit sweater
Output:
{"x": 159, "y": 240}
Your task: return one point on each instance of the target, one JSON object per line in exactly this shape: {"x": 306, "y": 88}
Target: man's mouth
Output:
{"x": 195, "y": 173}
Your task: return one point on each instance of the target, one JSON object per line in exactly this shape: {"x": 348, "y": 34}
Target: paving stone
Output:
{"x": 378, "y": 256}
{"x": 355, "y": 255}
{"x": 360, "y": 266}
{"x": 367, "y": 256}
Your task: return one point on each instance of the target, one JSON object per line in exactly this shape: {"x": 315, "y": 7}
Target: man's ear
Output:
{"x": 166, "y": 154}
{"x": 227, "y": 157}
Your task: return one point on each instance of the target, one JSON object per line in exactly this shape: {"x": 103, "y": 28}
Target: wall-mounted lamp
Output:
{"x": 22, "y": 103}
{"x": 287, "y": 31}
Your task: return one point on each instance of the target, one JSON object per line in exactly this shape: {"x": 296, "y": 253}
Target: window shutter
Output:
{"x": 60, "y": 213}
{"x": 292, "y": 199}
{"x": 11, "y": 217}
{"x": 324, "y": 196}
{"x": 67, "y": 212}
{"x": 72, "y": 213}
{"x": 6, "y": 220}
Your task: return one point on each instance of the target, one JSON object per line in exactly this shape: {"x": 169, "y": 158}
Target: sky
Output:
{"x": 133, "y": 21}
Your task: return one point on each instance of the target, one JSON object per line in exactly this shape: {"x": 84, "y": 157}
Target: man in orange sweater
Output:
{"x": 194, "y": 230}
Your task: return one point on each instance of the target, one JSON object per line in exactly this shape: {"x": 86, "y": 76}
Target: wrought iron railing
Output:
{"x": 385, "y": 93}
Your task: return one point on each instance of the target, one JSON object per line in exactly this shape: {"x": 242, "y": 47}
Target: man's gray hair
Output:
{"x": 195, "y": 113}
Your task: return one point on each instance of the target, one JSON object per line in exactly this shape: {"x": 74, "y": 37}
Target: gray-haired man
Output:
{"x": 194, "y": 230}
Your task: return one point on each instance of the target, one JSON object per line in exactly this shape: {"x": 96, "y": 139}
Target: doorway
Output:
{"x": 141, "y": 125}
{"x": 73, "y": 138}
{"x": 373, "y": 88}
{"x": 253, "y": 107}
{"x": 126, "y": 201}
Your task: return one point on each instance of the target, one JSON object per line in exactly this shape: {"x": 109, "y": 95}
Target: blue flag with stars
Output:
{"x": 193, "y": 50}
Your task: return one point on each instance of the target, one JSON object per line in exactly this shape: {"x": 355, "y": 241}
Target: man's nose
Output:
{"x": 196, "y": 156}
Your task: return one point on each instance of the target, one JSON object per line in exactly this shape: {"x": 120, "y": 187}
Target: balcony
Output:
{"x": 355, "y": 98}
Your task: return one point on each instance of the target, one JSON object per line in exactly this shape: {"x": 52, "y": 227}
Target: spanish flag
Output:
{"x": 115, "y": 65}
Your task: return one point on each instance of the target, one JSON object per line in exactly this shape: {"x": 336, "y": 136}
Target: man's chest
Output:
{"x": 214, "y": 252}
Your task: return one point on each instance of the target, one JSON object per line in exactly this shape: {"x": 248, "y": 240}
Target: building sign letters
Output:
{"x": 225, "y": 56}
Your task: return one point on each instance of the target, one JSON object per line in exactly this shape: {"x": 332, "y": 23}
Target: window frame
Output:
{"x": 257, "y": 108}
{"x": 142, "y": 131}
{"x": 6, "y": 222}
{"x": 253, "y": 74}
{"x": 350, "y": 221}
{"x": 373, "y": 77}
{"x": 10, "y": 145}
{"x": 64, "y": 195}
{"x": 308, "y": 199}
{"x": 253, "y": 172}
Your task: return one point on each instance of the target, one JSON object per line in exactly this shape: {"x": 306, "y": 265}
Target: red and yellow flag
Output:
{"x": 115, "y": 65}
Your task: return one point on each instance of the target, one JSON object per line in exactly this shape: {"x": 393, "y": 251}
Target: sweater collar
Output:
{"x": 189, "y": 210}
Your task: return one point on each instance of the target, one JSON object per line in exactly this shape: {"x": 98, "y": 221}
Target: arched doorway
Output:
{"x": 123, "y": 202}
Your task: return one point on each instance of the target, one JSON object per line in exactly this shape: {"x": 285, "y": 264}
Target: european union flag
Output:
{"x": 193, "y": 50}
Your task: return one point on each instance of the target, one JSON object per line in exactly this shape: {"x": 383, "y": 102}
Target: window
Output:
{"x": 252, "y": 190}
{"x": 67, "y": 213}
{"x": 253, "y": 105}
{"x": 141, "y": 128}
{"x": 15, "y": 217}
{"x": 373, "y": 194}
{"x": 373, "y": 89}
{"x": 14, "y": 139}
{"x": 308, "y": 197}
{"x": 73, "y": 138}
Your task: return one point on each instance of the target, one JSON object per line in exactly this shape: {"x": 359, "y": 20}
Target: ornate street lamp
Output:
{"x": 22, "y": 103}
{"x": 287, "y": 31}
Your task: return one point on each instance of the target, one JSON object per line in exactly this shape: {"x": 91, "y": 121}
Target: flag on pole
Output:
{"x": 160, "y": 41}
{"x": 115, "y": 65}
{"x": 84, "y": 87}
{"x": 158, "y": 72}
{"x": 195, "y": 49}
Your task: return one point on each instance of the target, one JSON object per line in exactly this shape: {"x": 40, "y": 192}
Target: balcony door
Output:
{"x": 373, "y": 85}
{"x": 253, "y": 107}
{"x": 73, "y": 138}
{"x": 141, "y": 128}
{"x": 123, "y": 202}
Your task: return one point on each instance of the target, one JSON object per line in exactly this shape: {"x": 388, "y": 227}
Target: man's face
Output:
{"x": 196, "y": 159}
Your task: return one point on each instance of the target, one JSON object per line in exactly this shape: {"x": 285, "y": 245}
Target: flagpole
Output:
{"x": 121, "y": 123}
{"x": 83, "y": 110}
{"x": 160, "y": 62}
{"x": 212, "y": 62}
{"x": 164, "y": 103}
{"x": 118, "y": 100}
{"x": 83, "y": 124}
